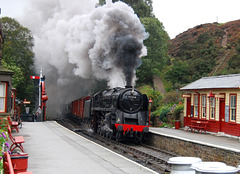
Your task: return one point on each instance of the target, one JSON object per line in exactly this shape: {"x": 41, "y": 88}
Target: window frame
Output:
{"x": 212, "y": 108}
{"x": 204, "y": 106}
{"x": 4, "y": 98}
{"x": 230, "y": 107}
{"x": 196, "y": 106}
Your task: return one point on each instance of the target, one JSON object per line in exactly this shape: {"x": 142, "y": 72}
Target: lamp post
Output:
{"x": 150, "y": 105}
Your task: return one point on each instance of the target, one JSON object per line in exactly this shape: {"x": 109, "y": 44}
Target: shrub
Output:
{"x": 176, "y": 113}
{"x": 153, "y": 94}
{"x": 162, "y": 113}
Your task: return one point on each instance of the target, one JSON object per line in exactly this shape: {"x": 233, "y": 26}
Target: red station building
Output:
{"x": 216, "y": 100}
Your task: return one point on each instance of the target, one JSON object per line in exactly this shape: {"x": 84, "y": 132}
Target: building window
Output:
{"x": 212, "y": 107}
{"x": 204, "y": 106}
{"x": 195, "y": 105}
{"x": 233, "y": 103}
{"x": 2, "y": 97}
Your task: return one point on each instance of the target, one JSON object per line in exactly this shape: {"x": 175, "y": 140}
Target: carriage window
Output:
{"x": 233, "y": 102}
{"x": 2, "y": 96}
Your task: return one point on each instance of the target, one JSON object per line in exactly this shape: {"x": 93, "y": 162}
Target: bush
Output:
{"x": 162, "y": 113}
{"x": 176, "y": 113}
{"x": 153, "y": 94}
{"x": 171, "y": 98}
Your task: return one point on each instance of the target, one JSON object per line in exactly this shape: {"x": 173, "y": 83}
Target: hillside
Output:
{"x": 205, "y": 50}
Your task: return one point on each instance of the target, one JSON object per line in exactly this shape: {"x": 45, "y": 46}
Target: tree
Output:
{"x": 179, "y": 72}
{"x": 143, "y": 8}
{"x": 18, "y": 56}
{"x": 156, "y": 44}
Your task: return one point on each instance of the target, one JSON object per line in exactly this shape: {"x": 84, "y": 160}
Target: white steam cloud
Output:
{"x": 76, "y": 43}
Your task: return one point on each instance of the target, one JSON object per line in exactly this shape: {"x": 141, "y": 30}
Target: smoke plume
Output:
{"x": 76, "y": 43}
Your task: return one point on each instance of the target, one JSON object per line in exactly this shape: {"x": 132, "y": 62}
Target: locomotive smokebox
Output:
{"x": 128, "y": 86}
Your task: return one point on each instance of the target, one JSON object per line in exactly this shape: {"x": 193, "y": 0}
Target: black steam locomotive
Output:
{"x": 120, "y": 113}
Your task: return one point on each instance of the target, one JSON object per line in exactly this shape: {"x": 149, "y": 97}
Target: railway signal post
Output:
{"x": 149, "y": 114}
{"x": 42, "y": 96}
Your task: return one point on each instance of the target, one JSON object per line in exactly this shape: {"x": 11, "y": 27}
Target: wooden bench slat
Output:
{"x": 19, "y": 139}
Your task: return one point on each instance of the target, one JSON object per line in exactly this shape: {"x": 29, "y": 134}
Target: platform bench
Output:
{"x": 13, "y": 124}
{"x": 198, "y": 125}
{"x": 16, "y": 141}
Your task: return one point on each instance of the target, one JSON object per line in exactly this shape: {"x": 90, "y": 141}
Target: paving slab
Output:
{"x": 55, "y": 149}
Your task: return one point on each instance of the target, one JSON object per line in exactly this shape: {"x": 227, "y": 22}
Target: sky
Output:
{"x": 177, "y": 16}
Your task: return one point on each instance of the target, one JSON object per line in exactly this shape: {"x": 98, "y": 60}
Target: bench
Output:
{"x": 9, "y": 166}
{"x": 13, "y": 124}
{"x": 16, "y": 141}
{"x": 198, "y": 125}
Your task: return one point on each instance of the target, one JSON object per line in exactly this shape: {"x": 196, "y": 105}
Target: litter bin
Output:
{"x": 19, "y": 162}
{"x": 181, "y": 165}
{"x": 207, "y": 164}
{"x": 216, "y": 170}
{"x": 177, "y": 124}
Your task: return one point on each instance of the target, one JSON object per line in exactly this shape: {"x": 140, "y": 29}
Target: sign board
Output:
{"x": 186, "y": 95}
{"x": 226, "y": 113}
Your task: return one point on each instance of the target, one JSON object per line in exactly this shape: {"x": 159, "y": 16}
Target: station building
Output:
{"x": 5, "y": 83}
{"x": 215, "y": 99}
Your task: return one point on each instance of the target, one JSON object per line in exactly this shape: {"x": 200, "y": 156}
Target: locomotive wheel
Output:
{"x": 99, "y": 131}
{"x": 118, "y": 136}
{"x": 110, "y": 135}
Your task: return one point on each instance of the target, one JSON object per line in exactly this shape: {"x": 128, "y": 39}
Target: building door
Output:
{"x": 221, "y": 114}
{"x": 188, "y": 114}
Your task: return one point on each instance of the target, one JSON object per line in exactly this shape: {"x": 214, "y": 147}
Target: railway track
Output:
{"x": 148, "y": 156}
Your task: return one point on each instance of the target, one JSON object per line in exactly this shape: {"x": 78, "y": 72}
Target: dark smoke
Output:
{"x": 126, "y": 51}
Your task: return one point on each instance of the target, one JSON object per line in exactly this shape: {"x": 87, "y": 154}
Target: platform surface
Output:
{"x": 53, "y": 149}
{"x": 211, "y": 139}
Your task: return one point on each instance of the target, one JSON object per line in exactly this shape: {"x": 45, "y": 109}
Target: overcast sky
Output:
{"x": 176, "y": 15}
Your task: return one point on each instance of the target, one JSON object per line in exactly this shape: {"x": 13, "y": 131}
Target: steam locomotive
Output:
{"x": 118, "y": 113}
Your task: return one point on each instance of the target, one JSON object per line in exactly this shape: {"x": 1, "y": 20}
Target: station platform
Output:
{"x": 55, "y": 149}
{"x": 210, "y": 139}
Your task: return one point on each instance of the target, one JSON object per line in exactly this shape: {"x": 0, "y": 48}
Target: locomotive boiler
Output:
{"x": 120, "y": 113}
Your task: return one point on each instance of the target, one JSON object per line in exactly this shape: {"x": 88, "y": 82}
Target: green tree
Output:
{"x": 179, "y": 72}
{"x": 18, "y": 56}
{"x": 156, "y": 44}
{"x": 143, "y": 8}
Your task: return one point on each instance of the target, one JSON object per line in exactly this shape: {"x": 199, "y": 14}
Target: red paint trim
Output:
{"x": 127, "y": 127}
